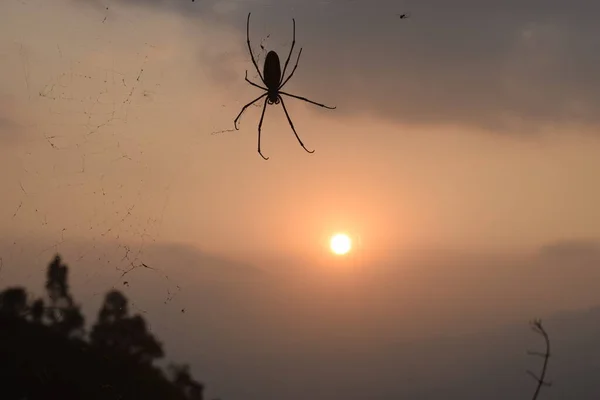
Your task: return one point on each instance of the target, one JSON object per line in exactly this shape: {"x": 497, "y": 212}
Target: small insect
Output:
{"x": 403, "y": 16}
{"x": 273, "y": 79}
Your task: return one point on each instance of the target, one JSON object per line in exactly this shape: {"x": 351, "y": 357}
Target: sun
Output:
{"x": 340, "y": 244}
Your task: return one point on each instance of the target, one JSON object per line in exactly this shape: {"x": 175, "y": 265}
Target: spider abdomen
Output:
{"x": 272, "y": 71}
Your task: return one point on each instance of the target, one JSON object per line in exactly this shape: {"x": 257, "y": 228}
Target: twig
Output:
{"x": 537, "y": 327}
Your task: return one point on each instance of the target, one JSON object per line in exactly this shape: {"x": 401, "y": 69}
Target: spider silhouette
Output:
{"x": 274, "y": 81}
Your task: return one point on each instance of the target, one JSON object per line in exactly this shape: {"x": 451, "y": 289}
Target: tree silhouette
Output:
{"x": 117, "y": 331}
{"x": 64, "y": 316}
{"x": 182, "y": 378}
{"x": 37, "y": 311}
{"x": 13, "y": 302}
{"x": 44, "y": 352}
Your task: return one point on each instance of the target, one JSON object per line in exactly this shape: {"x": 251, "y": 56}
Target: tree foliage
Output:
{"x": 47, "y": 354}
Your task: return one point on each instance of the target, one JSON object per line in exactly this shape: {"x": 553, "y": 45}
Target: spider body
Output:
{"x": 272, "y": 77}
{"x": 274, "y": 80}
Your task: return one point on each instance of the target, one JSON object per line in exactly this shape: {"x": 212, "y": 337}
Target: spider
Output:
{"x": 274, "y": 81}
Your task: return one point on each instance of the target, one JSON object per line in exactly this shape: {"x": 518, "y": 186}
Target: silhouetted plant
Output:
{"x": 44, "y": 352}
{"x": 537, "y": 327}
{"x": 13, "y": 302}
{"x": 182, "y": 378}
{"x": 37, "y": 311}
{"x": 117, "y": 331}
{"x": 63, "y": 314}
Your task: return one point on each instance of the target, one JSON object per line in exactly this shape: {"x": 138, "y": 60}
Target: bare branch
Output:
{"x": 536, "y": 326}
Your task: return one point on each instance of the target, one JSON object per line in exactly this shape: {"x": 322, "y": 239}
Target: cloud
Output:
{"x": 496, "y": 65}
{"x": 183, "y": 6}
{"x": 571, "y": 253}
{"x": 464, "y": 64}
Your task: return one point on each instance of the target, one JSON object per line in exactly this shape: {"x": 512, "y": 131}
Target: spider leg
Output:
{"x": 307, "y": 100}
{"x": 244, "y": 109}
{"x": 252, "y": 83}
{"x": 260, "y": 126}
{"x": 293, "y": 70}
{"x": 290, "y": 54}
{"x": 250, "y": 49}
{"x": 292, "y": 125}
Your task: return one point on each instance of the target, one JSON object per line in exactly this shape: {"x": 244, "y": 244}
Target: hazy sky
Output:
{"x": 466, "y": 126}
{"x": 463, "y": 148}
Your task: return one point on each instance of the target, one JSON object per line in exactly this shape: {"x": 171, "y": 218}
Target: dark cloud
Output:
{"x": 510, "y": 64}
{"x": 460, "y": 62}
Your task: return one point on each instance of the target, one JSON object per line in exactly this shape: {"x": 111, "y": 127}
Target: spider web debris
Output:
{"x": 81, "y": 152}
{"x": 259, "y": 55}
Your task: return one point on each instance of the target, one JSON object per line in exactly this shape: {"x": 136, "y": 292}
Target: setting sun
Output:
{"x": 340, "y": 244}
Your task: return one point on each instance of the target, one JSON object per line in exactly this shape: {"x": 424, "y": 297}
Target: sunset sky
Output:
{"x": 462, "y": 160}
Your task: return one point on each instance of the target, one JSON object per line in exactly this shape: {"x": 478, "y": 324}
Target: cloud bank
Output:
{"x": 499, "y": 66}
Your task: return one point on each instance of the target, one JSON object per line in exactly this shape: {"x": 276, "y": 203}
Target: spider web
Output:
{"x": 87, "y": 125}
{"x": 259, "y": 56}
{"x": 83, "y": 190}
